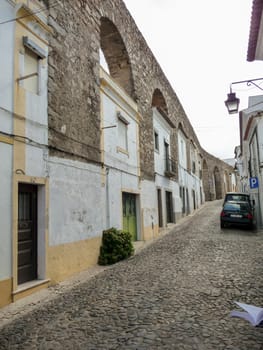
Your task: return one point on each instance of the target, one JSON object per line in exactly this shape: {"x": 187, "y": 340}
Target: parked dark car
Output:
{"x": 236, "y": 197}
{"x": 238, "y": 213}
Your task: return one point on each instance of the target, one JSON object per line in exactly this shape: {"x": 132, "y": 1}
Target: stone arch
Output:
{"x": 159, "y": 102}
{"x": 116, "y": 55}
{"x": 205, "y": 178}
{"x": 218, "y": 184}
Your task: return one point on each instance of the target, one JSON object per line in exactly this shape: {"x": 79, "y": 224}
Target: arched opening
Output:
{"x": 218, "y": 185}
{"x": 116, "y": 56}
{"x": 159, "y": 102}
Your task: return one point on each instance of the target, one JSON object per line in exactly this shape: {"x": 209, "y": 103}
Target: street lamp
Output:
{"x": 232, "y": 102}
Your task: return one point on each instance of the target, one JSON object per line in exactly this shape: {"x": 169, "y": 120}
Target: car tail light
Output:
{"x": 249, "y": 216}
{"x": 223, "y": 213}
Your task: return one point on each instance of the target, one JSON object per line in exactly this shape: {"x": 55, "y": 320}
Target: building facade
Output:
{"x": 24, "y": 140}
{"x": 250, "y": 159}
{"x": 85, "y": 149}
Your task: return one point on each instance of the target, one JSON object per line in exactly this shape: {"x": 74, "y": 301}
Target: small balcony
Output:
{"x": 169, "y": 167}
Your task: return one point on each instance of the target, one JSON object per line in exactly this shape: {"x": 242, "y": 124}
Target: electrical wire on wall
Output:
{"x": 41, "y": 9}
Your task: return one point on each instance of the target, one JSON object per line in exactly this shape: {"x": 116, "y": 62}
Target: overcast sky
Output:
{"x": 202, "y": 47}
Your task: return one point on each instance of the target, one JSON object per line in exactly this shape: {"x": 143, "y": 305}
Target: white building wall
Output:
{"x": 163, "y": 130}
{"x": 121, "y": 166}
{"x": 166, "y": 184}
{"x": 252, "y": 152}
{"x": 6, "y": 66}
{"x": 260, "y": 140}
{"x": 5, "y": 210}
{"x": 6, "y": 127}
{"x": 36, "y": 123}
{"x": 118, "y": 182}
{"x": 163, "y": 182}
{"x": 77, "y": 201}
{"x": 113, "y": 156}
{"x": 149, "y": 205}
{"x": 189, "y": 181}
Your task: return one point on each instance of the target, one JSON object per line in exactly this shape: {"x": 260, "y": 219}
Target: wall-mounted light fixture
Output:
{"x": 232, "y": 102}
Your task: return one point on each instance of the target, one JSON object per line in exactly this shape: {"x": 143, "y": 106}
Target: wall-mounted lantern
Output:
{"x": 232, "y": 102}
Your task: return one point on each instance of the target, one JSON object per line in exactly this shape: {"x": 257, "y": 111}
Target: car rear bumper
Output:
{"x": 237, "y": 221}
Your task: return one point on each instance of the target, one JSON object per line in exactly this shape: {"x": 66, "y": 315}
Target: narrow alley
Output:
{"x": 175, "y": 293}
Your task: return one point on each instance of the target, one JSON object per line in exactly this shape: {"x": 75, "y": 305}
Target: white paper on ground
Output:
{"x": 253, "y": 314}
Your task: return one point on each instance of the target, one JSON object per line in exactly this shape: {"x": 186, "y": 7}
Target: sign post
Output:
{"x": 253, "y": 182}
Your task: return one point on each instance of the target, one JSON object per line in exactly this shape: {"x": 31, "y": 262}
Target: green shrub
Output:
{"x": 116, "y": 245}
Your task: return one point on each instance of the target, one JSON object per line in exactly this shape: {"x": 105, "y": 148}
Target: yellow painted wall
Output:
{"x": 150, "y": 233}
{"x": 5, "y": 292}
{"x": 67, "y": 259}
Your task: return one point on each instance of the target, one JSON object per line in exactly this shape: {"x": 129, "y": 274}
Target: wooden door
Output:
{"x": 160, "y": 209}
{"x": 169, "y": 207}
{"x": 27, "y": 233}
{"x": 129, "y": 214}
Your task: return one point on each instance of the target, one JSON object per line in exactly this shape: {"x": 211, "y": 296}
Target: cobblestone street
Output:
{"x": 175, "y": 293}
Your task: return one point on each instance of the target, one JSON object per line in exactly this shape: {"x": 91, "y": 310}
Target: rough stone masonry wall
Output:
{"x": 74, "y": 96}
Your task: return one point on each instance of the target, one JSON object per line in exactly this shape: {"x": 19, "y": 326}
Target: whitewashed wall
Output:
{"x": 77, "y": 201}
{"x": 163, "y": 182}
{"x": 127, "y": 162}
{"x": 164, "y": 130}
{"x": 6, "y": 64}
{"x": 122, "y": 168}
{"x": 37, "y": 125}
{"x": 149, "y": 203}
{"x": 6, "y": 126}
{"x": 188, "y": 180}
{"x": 5, "y": 210}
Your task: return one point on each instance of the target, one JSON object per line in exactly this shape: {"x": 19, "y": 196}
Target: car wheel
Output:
{"x": 222, "y": 225}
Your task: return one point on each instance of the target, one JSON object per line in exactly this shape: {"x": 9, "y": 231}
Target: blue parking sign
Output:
{"x": 253, "y": 182}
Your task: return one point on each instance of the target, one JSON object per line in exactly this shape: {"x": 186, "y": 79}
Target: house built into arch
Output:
{"x": 99, "y": 149}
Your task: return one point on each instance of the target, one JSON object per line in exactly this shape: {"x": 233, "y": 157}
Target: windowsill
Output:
{"x": 122, "y": 150}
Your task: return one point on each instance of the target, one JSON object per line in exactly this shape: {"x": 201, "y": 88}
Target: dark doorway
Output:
{"x": 169, "y": 207}
{"x": 160, "y": 210}
{"x": 27, "y": 233}
{"x": 187, "y": 202}
{"x": 194, "y": 203}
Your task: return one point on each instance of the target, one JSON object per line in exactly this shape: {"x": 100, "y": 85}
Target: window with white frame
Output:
{"x": 122, "y": 132}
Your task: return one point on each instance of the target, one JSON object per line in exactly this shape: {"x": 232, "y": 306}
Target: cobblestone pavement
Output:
{"x": 174, "y": 294}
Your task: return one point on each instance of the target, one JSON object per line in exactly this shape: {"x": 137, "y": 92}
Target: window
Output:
{"x": 31, "y": 62}
{"x": 166, "y": 156}
{"x": 33, "y": 54}
{"x": 156, "y": 141}
{"x": 193, "y": 167}
{"x": 122, "y": 132}
{"x": 182, "y": 149}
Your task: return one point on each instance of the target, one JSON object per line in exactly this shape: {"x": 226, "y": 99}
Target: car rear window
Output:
{"x": 236, "y": 206}
{"x": 237, "y": 197}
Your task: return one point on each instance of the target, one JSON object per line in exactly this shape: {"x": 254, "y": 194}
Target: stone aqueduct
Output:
{"x": 80, "y": 29}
